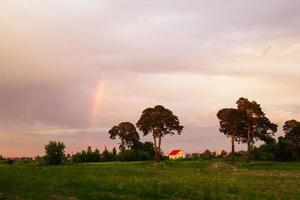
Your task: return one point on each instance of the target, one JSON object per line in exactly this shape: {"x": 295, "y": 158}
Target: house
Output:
{"x": 177, "y": 154}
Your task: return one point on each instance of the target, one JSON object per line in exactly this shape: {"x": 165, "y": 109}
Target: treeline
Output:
{"x": 141, "y": 152}
{"x": 287, "y": 148}
{"x": 209, "y": 155}
{"x": 93, "y": 156}
{"x": 55, "y": 154}
{"x": 248, "y": 123}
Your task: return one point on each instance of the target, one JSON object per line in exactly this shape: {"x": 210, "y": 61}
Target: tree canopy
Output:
{"x": 55, "y": 152}
{"x": 291, "y": 129}
{"x": 232, "y": 120}
{"x": 233, "y": 124}
{"x": 127, "y": 133}
{"x": 159, "y": 121}
{"x": 258, "y": 125}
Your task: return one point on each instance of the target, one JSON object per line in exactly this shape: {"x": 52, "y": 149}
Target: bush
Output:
{"x": 263, "y": 153}
{"x": 285, "y": 152}
{"x": 280, "y": 151}
{"x": 135, "y": 155}
{"x": 10, "y": 161}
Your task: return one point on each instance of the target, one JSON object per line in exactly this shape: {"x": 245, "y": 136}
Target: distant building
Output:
{"x": 177, "y": 154}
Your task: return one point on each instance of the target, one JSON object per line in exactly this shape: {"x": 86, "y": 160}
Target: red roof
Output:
{"x": 174, "y": 152}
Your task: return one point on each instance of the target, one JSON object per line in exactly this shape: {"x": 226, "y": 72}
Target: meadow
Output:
{"x": 146, "y": 180}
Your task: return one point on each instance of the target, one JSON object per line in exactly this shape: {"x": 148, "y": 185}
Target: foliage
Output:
{"x": 10, "y": 161}
{"x": 127, "y": 133}
{"x": 87, "y": 156}
{"x": 139, "y": 152}
{"x": 241, "y": 154}
{"x": 286, "y": 149}
{"x": 106, "y": 155}
{"x": 147, "y": 147}
{"x": 114, "y": 154}
{"x": 285, "y": 152}
{"x": 135, "y": 155}
{"x": 264, "y": 153}
{"x": 259, "y": 127}
{"x": 159, "y": 121}
{"x": 55, "y": 152}
{"x": 291, "y": 129}
{"x": 223, "y": 154}
{"x": 233, "y": 124}
{"x": 207, "y": 155}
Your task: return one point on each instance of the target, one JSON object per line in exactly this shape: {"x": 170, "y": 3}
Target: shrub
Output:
{"x": 135, "y": 155}
{"x": 263, "y": 153}
{"x": 10, "y": 161}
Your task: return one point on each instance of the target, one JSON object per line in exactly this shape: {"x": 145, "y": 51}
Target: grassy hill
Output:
{"x": 146, "y": 180}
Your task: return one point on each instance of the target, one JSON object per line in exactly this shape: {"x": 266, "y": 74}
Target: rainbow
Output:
{"x": 97, "y": 97}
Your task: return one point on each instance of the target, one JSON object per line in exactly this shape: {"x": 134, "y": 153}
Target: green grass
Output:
{"x": 145, "y": 180}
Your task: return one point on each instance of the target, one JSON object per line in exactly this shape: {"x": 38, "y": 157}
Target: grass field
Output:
{"x": 145, "y": 180}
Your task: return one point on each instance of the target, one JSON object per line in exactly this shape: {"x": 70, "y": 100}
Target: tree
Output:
{"x": 87, "y": 156}
{"x": 106, "y": 155}
{"x": 55, "y": 152}
{"x": 232, "y": 124}
{"x": 159, "y": 122}
{"x": 291, "y": 129}
{"x": 291, "y": 141}
{"x": 207, "y": 154}
{"x": 96, "y": 155}
{"x": 259, "y": 126}
{"x": 114, "y": 154}
{"x": 284, "y": 151}
{"x": 77, "y": 157}
{"x": 127, "y": 133}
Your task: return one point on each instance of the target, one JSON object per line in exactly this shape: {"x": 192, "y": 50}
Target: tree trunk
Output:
{"x": 156, "y": 150}
{"x": 249, "y": 145}
{"x": 232, "y": 146}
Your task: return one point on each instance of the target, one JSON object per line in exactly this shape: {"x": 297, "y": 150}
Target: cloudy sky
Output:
{"x": 70, "y": 70}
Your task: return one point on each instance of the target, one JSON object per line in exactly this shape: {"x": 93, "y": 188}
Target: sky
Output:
{"x": 72, "y": 69}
